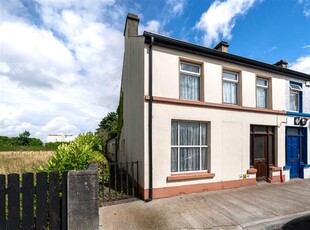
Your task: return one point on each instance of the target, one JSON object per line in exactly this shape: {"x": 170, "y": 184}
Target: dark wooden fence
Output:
{"x": 122, "y": 182}
{"x": 39, "y": 203}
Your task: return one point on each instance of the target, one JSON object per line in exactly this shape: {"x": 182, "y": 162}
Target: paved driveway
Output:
{"x": 265, "y": 206}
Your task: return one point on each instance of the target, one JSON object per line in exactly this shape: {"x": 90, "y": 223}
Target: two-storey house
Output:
{"x": 201, "y": 119}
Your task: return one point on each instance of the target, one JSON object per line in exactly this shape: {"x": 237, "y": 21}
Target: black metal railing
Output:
{"x": 121, "y": 182}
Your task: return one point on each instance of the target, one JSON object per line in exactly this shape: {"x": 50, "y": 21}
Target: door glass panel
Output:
{"x": 270, "y": 150}
{"x": 261, "y": 129}
{"x": 259, "y": 147}
{"x": 292, "y": 131}
{"x": 251, "y": 150}
{"x": 270, "y": 130}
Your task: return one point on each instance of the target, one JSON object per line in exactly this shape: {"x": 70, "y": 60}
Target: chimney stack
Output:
{"x": 131, "y": 26}
{"x": 222, "y": 46}
{"x": 281, "y": 63}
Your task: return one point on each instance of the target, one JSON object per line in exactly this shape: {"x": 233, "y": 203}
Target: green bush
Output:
{"x": 77, "y": 155}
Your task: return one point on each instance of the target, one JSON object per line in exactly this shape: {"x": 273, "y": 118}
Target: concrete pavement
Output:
{"x": 265, "y": 206}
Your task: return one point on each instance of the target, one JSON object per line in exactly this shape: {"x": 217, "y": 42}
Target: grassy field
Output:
{"x": 22, "y": 161}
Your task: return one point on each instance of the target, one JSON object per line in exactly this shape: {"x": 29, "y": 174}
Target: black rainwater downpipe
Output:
{"x": 150, "y": 121}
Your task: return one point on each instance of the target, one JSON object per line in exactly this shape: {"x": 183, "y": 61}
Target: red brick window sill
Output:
{"x": 190, "y": 176}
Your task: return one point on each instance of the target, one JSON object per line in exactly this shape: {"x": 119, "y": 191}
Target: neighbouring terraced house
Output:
{"x": 201, "y": 119}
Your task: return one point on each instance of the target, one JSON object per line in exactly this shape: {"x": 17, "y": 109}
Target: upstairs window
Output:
{"x": 262, "y": 93}
{"x": 190, "y": 81}
{"x": 295, "y": 97}
{"x": 230, "y": 88}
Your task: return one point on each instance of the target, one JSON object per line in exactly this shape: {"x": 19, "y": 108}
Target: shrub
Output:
{"x": 77, "y": 155}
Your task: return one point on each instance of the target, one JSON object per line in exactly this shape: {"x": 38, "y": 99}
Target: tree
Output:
{"x": 109, "y": 124}
{"x": 35, "y": 142}
{"x": 23, "y": 138}
{"x": 108, "y": 128}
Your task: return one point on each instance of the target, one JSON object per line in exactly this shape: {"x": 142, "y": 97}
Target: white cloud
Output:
{"x": 307, "y": 13}
{"x": 36, "y": 58}
{"x": 176, "y": 6}
{"x": 306, "y": 47}
{"x": 302, "y": 64}
{"x": 219, "y": 19}
{"x": 62, "y": 73}
{"x": 306, "y": 7}
{"x": 151, "y": 26}
{"x": 61, "y": 124}
{"x": 271, "y": 49}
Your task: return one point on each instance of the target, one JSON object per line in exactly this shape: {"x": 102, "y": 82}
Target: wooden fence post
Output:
{"x": 28, "y": 195}
{"x": 2, "y": 202}
{"x": 13, "y": 201}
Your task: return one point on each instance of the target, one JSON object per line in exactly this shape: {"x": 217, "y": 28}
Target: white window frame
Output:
{"x": 264, "y": 87}
{"x": 236, "y": 82}
{"x": 200, "y": 146}
{"x": 191, "y": 74}
{"x": 297, "y": 90}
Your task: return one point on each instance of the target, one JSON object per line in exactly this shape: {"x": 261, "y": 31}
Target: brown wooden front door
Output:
{"x": 260, "y": 156}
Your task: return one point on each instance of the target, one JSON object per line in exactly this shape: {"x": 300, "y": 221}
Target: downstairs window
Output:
{"x": 189, "y": 146}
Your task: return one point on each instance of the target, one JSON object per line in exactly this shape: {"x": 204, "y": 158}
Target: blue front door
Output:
{"x": 293, "y": 155}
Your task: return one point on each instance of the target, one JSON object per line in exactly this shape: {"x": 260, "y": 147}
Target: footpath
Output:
{"x": 265, "y": 206}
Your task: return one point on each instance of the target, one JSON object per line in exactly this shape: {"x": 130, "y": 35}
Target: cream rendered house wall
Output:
{"x": 229, "y": 141}
{"x": 230, "y": 130}
{"x": 166, "y": 78}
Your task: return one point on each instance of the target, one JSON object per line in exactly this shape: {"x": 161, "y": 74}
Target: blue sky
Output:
{"x": 61, "y": 60}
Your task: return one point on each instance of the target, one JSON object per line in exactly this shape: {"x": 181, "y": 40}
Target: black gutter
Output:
{"x": 150, "y": 120}
{"x": 218, "y": 55}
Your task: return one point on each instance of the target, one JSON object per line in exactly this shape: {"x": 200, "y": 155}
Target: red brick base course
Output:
{"x": 196, "y": 188}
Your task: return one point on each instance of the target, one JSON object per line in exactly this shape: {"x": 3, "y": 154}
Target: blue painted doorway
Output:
{"x": 294, "y": 151}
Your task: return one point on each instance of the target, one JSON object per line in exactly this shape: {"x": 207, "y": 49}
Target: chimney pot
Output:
{"x": 131, "y": 25}
{"x": 281, "y": 63}
{"x": 222, "y": 46}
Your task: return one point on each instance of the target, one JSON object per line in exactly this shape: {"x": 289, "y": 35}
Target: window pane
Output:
{"x": 230, "y": 76}
{"x": 259, "y": 147}
{"x": 174, "y": 159}
{"x": 295, "y": 87}
{"x": 262, "y": 82}
{"x": 189, "y": 159}
{"x": 174, "y": 133}
{"x": 230, "y": 93}
{"x": 204, "y": 159}
{"x": 190, "y": 87}
{"x": 261, "y": 97}
{"x": 189, "y": 133}
{"x": 190, "y": 68}
{"x": 203, "y": 134}
{"x": 294, "y": 101}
